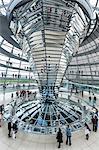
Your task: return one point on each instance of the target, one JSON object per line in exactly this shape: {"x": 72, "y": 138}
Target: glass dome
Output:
{"x": 47, "y": 44}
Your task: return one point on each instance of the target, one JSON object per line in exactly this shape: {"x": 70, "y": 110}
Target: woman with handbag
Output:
{"x": 59, "y": 138}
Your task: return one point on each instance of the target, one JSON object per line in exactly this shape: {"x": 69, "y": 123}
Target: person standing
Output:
{"x": 68, "y": 135}
{"x": 82, "y": 93}
{"x": 12, "y": 95}
{"x": 90, "y": 99}
{"x": 59, "y": 138}
{"x": 0, "y": 118}
{"x": 9, "y": 129}
{"x": 13, "y": 134}
{"x": 96, "y": 123}
{"x": 15, "y": 129}
{"x": 93, "y": 123}
{"x": 94, "y": 101}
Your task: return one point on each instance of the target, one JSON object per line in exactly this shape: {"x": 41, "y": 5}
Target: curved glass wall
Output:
{"x": 38, "y": 28}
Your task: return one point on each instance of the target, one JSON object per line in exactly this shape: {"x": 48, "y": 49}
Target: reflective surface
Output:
{"x": 44, "y": 42}
{"x": 49, "y": 32}
{"x": 36, "y": 117}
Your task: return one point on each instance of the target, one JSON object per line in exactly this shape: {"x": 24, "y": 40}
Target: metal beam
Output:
{"x": 3, "y": 51}
{"x": 86, "y": 64}
{"x": 5, "y": 31}
{"x": 6, "y": 66}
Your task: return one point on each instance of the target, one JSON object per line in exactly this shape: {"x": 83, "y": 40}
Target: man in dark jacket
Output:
{"x": 9, "y": 129}
{"x": 96, "y": 123}
{"x": 59, "y": 137}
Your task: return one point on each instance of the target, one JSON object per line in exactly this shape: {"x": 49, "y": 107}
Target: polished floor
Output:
{"x": 27, "y": 141}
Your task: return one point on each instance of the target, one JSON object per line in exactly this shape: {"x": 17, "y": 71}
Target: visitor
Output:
{"x": 94, "y": 100}
{"x": 89, "y": 98}
{"x": 68, "y": 135}
{"x": 9, "y": 129}
{"x": 59, "y": 138}
{"x": 96, "y": 112}
{"x": 96, "y": 123}
{"x": 89, "y": 92}
{"x": 93, "y": 123}
{"x": 1, "y": 109}
{"x": 87, "y": 132}
{"x": 76, "y": 90}
{"x": 13, "y": 134}
{"x": 0, "y": 118}
{"x": 82, "y": 93}
{"x": 15, "y": 129}
{"x": 86, "y": 125}
{"x": 12, "y": 95}
{"x": 13, "y": 111}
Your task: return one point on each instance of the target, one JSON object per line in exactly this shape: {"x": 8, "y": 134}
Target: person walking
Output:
{"x": 96, "y": 112}
{"x": 87, "y": 132}
{"x": 68, "y": 135}
{"x": 86, "y": 125}
{"x": 9, "y": 129}
{"x": 59, "y": 138}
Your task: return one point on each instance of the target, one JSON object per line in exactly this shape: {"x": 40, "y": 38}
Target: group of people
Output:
{"x": 94, "y": 125}
{"x": 59, "y": 136}
{"x": 25, "y": 93}
{"x": 12, "y": 129}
